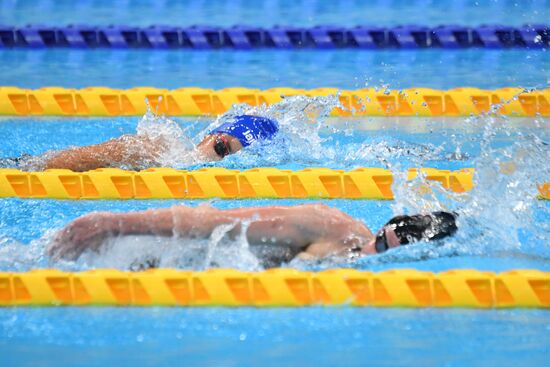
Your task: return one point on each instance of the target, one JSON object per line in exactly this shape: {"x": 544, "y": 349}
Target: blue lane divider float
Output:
{"x": 245, "y": 37}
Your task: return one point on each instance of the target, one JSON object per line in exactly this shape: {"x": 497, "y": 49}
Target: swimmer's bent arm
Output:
{"x": 131, "y": 151}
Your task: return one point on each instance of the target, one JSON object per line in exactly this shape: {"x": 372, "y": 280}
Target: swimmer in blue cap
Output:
{"x": 139, "y": 152}
{"x": 235, "y": 134}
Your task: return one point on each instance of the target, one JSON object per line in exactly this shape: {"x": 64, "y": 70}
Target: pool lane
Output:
{"x": 273, "y": 12}
{"x": 263, "y": 69}
{"x": 272, "y": 337}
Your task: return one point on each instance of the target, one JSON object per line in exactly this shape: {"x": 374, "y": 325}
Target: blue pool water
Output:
{"x": 272, "y": 337}
{"x": 273, "y": 12}
{"x": 263, "y": 69}
{"x": 502, "y": 225}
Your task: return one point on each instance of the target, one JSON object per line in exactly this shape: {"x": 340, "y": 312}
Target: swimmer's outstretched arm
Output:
{"x": 316, "y": 229}
{"x": 131, "y": 151}
{"x": 90, "y": 230}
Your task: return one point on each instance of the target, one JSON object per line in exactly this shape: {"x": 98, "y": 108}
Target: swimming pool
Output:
{"x": 397, "y": 143}
{"x": 344, "y": 69}
{"x": 244, "y": 337}
{"x": 503, "y": 226}
{"x": 326, "y": 336}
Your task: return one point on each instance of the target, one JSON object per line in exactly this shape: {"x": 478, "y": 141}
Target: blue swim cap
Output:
{"x": 247, "y": 129}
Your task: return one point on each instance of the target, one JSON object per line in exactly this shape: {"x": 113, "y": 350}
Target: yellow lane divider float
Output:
{"x": 101, "y": 101}
{"x": 277, "y": 287}
{"x": 168, "y": 183}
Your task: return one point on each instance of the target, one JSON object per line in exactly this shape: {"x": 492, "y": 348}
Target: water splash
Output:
{"x": 300, "y": 119}
{"x": 498, "y": 214}
{"x": 16, "y": 256}
{"x": 309, "y": 137}
{"x": 179, "y": 149}
{"x": 501, "y": 206}
{"x": 143, "y": 252}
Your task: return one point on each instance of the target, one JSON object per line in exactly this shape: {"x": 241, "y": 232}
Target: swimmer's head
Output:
{"x": 236, "y": 133}
{"x": 248, "y": 129}
{"x": 405, "y": 229}
{"x": 215, "y": 147}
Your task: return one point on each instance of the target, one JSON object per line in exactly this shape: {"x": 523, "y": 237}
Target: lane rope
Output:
{"x": 167, "y": 183}
{"x": 192, "y": 101}
{"x": 277, "y": 287}
{"x": 535, "y": 36}
{"x": 214, "y": 182}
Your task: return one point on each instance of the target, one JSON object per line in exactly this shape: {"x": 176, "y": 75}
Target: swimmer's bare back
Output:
{"x": 313, "y": 231}
{"x": 127, "y": 151}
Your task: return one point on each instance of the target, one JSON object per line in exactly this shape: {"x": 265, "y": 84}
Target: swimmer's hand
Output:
{"x": 85, "y": 233}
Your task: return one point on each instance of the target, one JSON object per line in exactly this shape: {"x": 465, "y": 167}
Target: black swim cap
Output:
{"x": 433, "y": 226}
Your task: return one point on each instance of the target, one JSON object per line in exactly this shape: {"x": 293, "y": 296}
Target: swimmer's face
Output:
{"x": 391, "y": 241}
{"x": 216, "y": 146}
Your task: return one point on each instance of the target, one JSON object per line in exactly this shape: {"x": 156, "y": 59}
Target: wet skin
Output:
{"x": 130, "y": 151}
{"x": 315, "y": 230}
{"x": 311, "y": 231}
{"x": 206, "y": 146}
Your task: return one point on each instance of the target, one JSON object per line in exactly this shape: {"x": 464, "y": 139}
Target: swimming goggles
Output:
{"x": 221, "y": 146}
{"x": 381, "y": 243}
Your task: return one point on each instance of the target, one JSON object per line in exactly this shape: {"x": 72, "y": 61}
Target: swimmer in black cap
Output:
{"x": 141, "y": 151}
{"x": 404, "y": 229}
{"x": 277, "y": 234}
